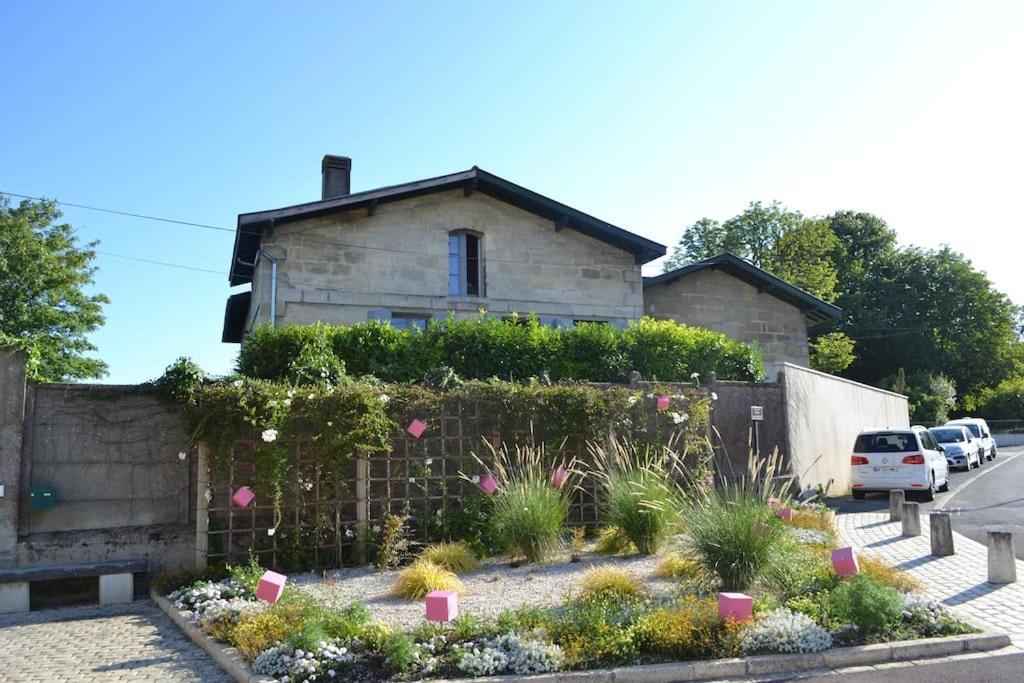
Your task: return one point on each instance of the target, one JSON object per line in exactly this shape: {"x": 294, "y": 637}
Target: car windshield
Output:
{"x": 975, "y": 429}
{"x": 948, "y": 435}
{"x": 886, "y": 442}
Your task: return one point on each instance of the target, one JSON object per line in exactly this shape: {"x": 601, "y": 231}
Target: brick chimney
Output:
{"x": 337, "y": 176}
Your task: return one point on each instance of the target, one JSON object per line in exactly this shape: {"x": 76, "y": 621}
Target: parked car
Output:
{"x": 907, "y": 458}
{"x": 962, "y": 449}
{"x": 979, "y": 428}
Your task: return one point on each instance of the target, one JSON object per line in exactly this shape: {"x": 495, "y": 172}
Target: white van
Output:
{"x": 979, "y": 428}
{"x": 907, "y": 458}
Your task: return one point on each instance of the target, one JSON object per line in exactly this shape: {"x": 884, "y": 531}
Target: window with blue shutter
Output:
{"x": 465, "y": 264}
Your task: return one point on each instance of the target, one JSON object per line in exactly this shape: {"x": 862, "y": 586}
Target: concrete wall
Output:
{"x": 732, "y": 431}
{"x": 398, "y": 261}
{"x": 112, "y": 453}
{"x": 824, "y": 414}
{"x": 718, "y": 301}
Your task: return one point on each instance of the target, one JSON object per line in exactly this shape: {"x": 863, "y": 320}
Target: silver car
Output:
{"x": 961, "y": 448}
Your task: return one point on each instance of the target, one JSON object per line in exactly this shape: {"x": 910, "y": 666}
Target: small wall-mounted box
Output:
{"x": 42, "y": 498}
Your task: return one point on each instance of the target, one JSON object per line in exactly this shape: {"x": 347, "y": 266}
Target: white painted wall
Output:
{"x": 824, "y": 414}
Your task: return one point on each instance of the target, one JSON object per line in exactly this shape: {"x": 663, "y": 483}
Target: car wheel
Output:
{"x": 945, "y": 485}
{"x": 993, "y": 452}
{"x": 928, "y": 495}
{"x": 858, "y": 495}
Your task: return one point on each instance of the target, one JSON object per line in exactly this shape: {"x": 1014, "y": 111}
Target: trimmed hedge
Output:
{"x": 515, "y": 350}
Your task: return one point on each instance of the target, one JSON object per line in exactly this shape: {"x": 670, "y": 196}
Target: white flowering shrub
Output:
{"x": 289, "y": 665}
{"x": 784, "y": 631}
{"x": 203, "y": 595}
{"x": 218, "y": 616}
{"x": 812, "y": 536}
{"x": 509, "y": 653}
{"x": 930, "y": 618}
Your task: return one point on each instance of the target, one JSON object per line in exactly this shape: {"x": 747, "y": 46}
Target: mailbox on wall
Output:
{"x": 42, "y": 498}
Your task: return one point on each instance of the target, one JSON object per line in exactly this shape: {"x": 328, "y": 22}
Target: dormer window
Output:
{"x": 465, "y": 263}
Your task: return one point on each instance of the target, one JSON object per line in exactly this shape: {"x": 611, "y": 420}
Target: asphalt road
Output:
{"x": 991, "y": 669}
{"x": 988, "y": 497}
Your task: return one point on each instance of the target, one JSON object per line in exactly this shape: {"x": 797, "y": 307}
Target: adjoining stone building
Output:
{"x": 731, "y": 295}
{"x": 468, "y": 241}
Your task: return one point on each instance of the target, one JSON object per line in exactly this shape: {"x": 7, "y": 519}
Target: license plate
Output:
{"x": 885, "y": 468}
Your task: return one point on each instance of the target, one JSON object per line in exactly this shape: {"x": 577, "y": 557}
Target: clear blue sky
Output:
{"x": 649, "y": 115}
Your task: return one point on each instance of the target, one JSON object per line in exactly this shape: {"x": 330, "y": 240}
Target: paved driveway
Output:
{"x": 133, "y": 642}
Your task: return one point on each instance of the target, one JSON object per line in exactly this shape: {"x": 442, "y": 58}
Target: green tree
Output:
{"x": 832, "y": 352}
{"x": 755, "y": 233}
{"x": 703, "y": 239}
{"x": 803, "y": 256}
{"x": 43, "y": 308}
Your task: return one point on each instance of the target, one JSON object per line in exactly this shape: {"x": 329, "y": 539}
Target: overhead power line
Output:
{"x": 163, "y": 263}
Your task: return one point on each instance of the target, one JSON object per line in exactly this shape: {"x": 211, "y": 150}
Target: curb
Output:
{"x": 232, "y": 662}
{"x": 227, "y": 658}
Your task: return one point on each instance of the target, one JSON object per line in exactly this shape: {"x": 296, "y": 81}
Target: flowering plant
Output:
{"x": 288, "y": 664}
{"x": 782, "y": 630}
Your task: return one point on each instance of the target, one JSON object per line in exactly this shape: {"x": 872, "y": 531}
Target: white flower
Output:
{"x": 270, "y": 435}
{"x": 291, "y": 393}
{"x": 330, "y": 424}
{"x": 428, "y": 461}
{"x": 270, "y": 532}
{"x": 182, "y": 455}
{"x": 311, "y": 397}
{"x": 784, "y": 631}
{"x": 476, "y": 479}
{"x": 679, "y": 418}
{"x": 287, "y": 402}
{"x": 237, "y": 383}
{"x": 208, "y": 495}
{"x": 632, "y": 400}
{"x": 412, "y": 480}
{"x": 349, "y": 533}
{"x": 714, "y": 396}
{"x": 384, "y": 398}
{"x": 695, "y": 375}
{"x": 376, "y": 528}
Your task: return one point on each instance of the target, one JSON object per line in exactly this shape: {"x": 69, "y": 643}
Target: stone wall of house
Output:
{"x": 339, "y": 268}
{"x": 718, "y": 301}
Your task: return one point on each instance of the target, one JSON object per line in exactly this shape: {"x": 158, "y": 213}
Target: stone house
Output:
{"x": 468, "y": 241}
{"x": 731, "y": 295}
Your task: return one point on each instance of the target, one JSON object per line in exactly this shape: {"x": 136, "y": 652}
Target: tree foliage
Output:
{"x": 44, "y": 309}
{"x": 832, "y": 352}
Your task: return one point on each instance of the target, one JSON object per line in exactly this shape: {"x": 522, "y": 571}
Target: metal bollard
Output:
{"x": 896, "y": 500}
{"x": 1002, "y": 561}
{"x": 941, "y": 534}
{"x": 911, "y": 519}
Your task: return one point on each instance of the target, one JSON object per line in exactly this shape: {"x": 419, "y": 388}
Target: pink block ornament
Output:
{"x": 243, "y": 497}
{"x": 442, "y": 606}
{"x": 775, "y": 502}
{"x": 488, "y": 484}
{"x": 844, "y": 562}
{"x": 271, "y": 585}
{"x": 416, "y": 428}
{"x": 559, "y": 477}
{"x": 786, "y": 514}
{"x": 735, "y": 606}
{"x": 661, "y": 402}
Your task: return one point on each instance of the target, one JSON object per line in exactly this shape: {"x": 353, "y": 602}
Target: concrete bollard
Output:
{"x": 941, "y": 533}
{"x": 1002, "y": 561}
{"x": 911, "y": 519}
{"x": 896, "y": 500}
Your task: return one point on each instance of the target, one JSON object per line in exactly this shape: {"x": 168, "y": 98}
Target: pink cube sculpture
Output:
{"x": 243, "y": 497}
{"x": 559, "y": 477}
{"x": 488, "y": 484}
{"x": 661, "y": 402}
{"x": 442, "y": 606}
{"x": 775, "y": 502}
{"x": 271, "y": 586}
{"x": 844, "y": 562}
{"x": 735, "y": 606}
{"x": 786, "y": 514}
{"x": 416, "y": 428}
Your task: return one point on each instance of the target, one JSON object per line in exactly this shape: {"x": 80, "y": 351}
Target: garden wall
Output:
{"x": 110, "y": 457}
{"x": 824, "y": 414}
{"x": 732, "y": 431}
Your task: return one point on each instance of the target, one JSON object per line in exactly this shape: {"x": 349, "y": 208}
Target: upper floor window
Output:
{"x": 465, "y": 263}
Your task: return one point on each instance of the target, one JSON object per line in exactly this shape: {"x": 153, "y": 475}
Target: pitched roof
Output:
{"x": 816, "y": 310}
{"x": 251, "y": 225}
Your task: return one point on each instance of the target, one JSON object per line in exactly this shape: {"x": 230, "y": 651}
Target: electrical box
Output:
{"x": 42, "y": 498}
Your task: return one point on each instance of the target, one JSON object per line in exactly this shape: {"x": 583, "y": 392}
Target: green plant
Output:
{"x": 866, "y": 603}
{"x": 525, "y": 618}
{"x": 593, "y": 634}
{"x": 347, "y": 622}
{"x": 527, "y": 512}
{"x": 256, "y": 633}
{"x": 675, "y": 566}
{"x": 689, "y": 629}
{"x": 468, "y": 520}
{"x": 577, "y": 540}
{"x": 611, "y": 540}
{"x": 393, "y": 548}
{"x": 609, "y": 583}
{"x": 400, "y": 650}
{"x": 422, "y": 577}
{"x": 467, "y": 627}
{"x": 807, "y": 604}
{"x": 453, "y": 556}
{"x": 247, "y": 575}
{"x": 638, "y": 494}
{"x": 180, "y": 381}
{"x": 879, "y": 570}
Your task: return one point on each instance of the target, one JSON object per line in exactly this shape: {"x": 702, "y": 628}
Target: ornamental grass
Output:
{"x": 454, "y": 556}
{"x": 610, "y": 583}
{"x": 422, "y": 577}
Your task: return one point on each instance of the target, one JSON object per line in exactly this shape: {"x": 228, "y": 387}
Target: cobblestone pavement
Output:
{"x": 129, "y": 642}
{"x": 959, "y": 581}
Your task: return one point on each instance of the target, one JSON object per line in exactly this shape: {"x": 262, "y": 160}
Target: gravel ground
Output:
{"x": 489, "y": 591}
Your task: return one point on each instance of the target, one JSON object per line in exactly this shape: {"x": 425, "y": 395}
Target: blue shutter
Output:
{"x": 548, "y": 321}
{"x": 454, "y": 265}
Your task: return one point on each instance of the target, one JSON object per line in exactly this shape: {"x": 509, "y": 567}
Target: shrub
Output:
{"x": 783, "y": 631}
{"x": 577, "y": 542}
{"x": 528, "y": 513}
{"x": 866, "y": 603}
{"x": 258, "y": 632}
{"x": 393, "y": 546}
{"x": 794, "y": 568}
{"x": 687, "y": 630}
{"x": 609, "y": 583}
{"x": 508, "y": 653}
{"x": 401, "y": 651}
{"x": 345, "y": 623}
{"x": 470, "y": 627}
{"x": 817, "y": 518}
{"x": 638, "y": 494}
{"x": 455, "y": 557}
{"x": 489, "y": 347}
{"x": 809, "y": 605}
{"x": 286, "y": 662}
{"x": 879, "y": 570}
{"x": 1003, "y": 402}
{"x": 593, "y": 634}
{"x": 675, "y": 566}
{"x": 928, "y": 618}
{"x": 526, "y": 618}
{"x": 612, "y": 540}
{"x": 220, "y": 620}
{"x": 422, "y": 577}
